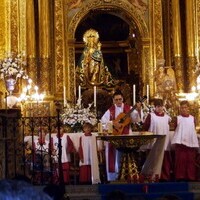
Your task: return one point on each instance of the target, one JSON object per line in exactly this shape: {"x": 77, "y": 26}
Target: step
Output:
{"x": 82, "y": 192}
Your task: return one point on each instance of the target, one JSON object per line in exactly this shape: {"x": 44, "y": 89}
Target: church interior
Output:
{"x": 65, "y": 55}
{"x": 149, "y": 44}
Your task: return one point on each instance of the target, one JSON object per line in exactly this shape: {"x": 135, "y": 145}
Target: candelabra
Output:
{"x": 31, "y": 99}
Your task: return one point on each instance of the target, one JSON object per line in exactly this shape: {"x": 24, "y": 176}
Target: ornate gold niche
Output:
{"x": 122, "y": 7}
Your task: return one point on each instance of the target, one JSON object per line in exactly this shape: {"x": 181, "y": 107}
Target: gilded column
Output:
{"x": 14, "y": 28}
{"x": 191, "y": 57}
{"x": 31, "y": 43}
{"x": 61, "y": 87}
{"x": 44, "y": 45}
{"x": 157, "y": 45}
{"x": 178, "y": 60}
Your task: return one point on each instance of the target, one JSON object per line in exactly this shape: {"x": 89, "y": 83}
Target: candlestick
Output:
{"x": 95, "y": 96}
{"x": 134, "y": 95}
{"x": 147, "y": 94}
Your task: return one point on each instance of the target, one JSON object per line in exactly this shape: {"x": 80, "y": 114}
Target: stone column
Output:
{"x": 190, "y": 36}
{"x": 178, "y": 60}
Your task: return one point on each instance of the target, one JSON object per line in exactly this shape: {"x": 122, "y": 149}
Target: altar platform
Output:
{"x": 146, "y": 191}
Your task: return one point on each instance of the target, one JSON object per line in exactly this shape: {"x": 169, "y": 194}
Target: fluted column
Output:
{"x": 44, "y": 44}
{"x": 178, "y": 60}
{"x": 31, "y": 43}
{"x": 190, "y": 36}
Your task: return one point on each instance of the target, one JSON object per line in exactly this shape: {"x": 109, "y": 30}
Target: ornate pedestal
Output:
{"x": 128, "y": 145}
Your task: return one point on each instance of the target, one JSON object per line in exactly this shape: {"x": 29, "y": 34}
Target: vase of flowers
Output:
{"x": 76, "y": 116}
{"x": 12, "y": 69}
{"x": 10, "y": 84}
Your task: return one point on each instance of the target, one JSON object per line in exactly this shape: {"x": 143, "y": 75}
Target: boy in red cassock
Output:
{"x": 89, "y": 172}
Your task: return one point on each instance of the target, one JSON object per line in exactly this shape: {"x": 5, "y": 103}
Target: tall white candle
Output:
{"x": 64, "y": 96}
{"x": 134, "y": 95}
{"x": 147, "y": 94}
{"x": 95, "y": 96}
{"x": 79, "y": 94}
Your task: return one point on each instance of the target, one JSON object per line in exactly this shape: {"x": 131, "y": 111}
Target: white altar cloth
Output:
{"x": 75, "y": 137}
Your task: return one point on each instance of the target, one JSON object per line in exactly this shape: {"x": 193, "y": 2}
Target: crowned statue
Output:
{"x": 91, "y": 70}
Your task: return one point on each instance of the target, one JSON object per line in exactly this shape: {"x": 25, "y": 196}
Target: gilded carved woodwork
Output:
{"x": 190, "y": 28}
{"x": 176, "y": 28}
{"x": 59, "y": 46}
{"x": 198, "y": 28}
{"x": 101, "y": 4}
{"x": 44, "y": 45}
{"x": 178, "y": 66}
{"x": 128, "y": 11}
{"x": 147, "y": 69}
{"x": 177, "y": 45}
{"x": 8, "y": 26}
{"x": 3, "y": 31}
{"x": 32, "y": 68}
{"x": 167, "y": 30}
{"x": 44, "y": 74}
{"x": 191, "y": 55}
{"x": 71, "y": 74}
{"x": 22, "y": 26}
{"x": 30, "y": 26}
{"x": 191, "y": 76}
{"x": 66, "y": 20}
{"x": 158, "y": 32}
{"x": 14, "y": 25}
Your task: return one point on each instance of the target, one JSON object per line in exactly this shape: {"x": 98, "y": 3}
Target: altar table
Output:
{"x": 133, "y": 142}
{"x": 75, "y": 137}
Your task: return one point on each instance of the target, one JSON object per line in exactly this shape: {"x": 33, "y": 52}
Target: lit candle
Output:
{"x": 134, "y": 94}
{"x": 95, "y": 96}
{"x": 147, "y": 94}
{"x": 79, "y": 94}
{"x": 64, "y": 96}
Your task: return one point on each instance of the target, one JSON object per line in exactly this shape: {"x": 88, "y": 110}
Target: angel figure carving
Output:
{"x": 165, "y": 81}
{"x": 170, "y": 80}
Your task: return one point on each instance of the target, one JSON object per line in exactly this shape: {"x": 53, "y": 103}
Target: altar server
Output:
{"x": 186, "y": 144}
{"x": 67, "y": 147}
{"x": 138, "y": 115}
{"x": 157, "y": 122}
{"x": 89, "y": 169}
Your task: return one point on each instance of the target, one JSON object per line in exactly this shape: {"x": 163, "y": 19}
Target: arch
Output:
{"x": 127, "y": 12}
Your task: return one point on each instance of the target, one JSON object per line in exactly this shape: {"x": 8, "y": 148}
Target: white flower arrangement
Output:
{"x": 75, "y": 117}
{"x": 13, "y": 67}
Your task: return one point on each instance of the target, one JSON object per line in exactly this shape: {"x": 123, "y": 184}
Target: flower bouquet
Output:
{"x": 12, "y": 69}
{"x": 12, "y": 66}
{"x": 76, "y": 116}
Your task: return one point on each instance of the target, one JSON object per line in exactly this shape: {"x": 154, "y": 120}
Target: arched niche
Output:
{"x": 119, "y": 9}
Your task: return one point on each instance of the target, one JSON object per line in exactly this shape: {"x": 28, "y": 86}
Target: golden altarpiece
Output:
{"x": 46, "y": 31}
